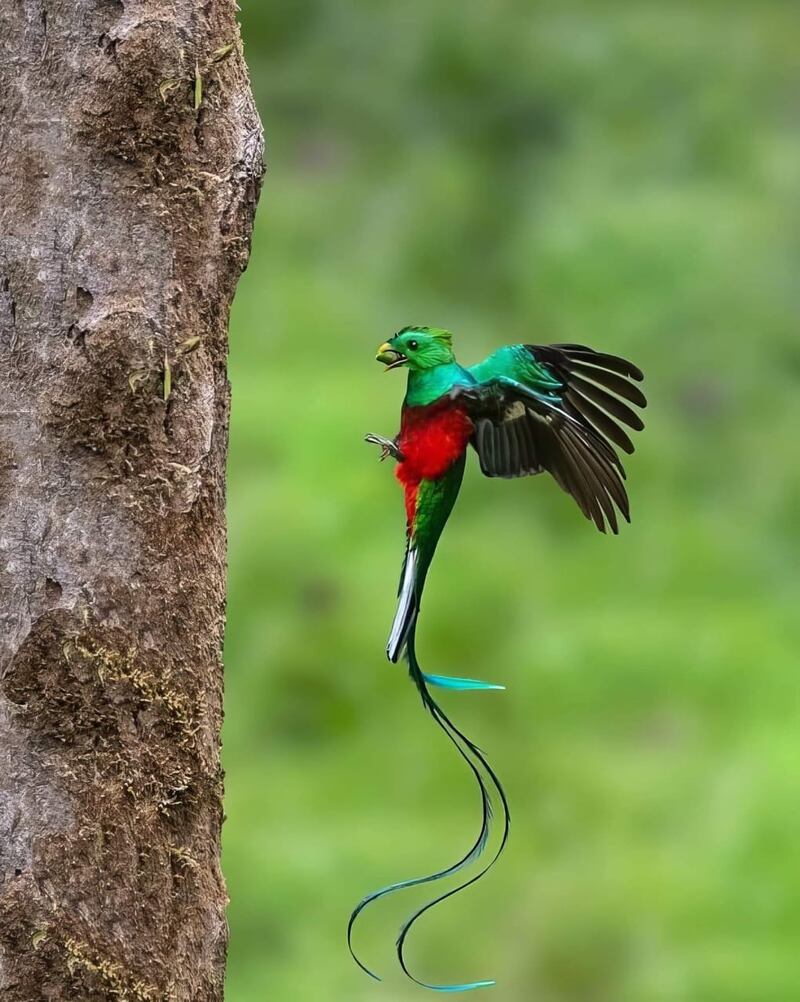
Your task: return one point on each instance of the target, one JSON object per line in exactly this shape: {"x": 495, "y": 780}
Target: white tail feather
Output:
{"x": 406, "y": 607}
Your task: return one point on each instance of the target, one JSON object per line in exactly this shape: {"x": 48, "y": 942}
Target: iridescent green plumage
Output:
{"x": 525, "y": 409}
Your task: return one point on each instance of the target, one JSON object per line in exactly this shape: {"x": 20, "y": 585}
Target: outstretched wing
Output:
{"x": 558, "y": 408}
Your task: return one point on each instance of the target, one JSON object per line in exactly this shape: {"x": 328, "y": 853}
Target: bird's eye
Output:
{"x": 413, "y": 345}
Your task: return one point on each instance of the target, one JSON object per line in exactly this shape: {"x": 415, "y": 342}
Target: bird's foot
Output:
{"x": 388, "y": 446}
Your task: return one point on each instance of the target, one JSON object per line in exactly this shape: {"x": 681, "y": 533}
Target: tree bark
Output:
{"x": 130, "y": 161}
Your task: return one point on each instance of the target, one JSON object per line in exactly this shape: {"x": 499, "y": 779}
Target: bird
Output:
{"x": 526, "y": 409}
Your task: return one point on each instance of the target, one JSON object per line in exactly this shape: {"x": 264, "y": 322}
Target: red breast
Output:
{"x": 431, "y": 439}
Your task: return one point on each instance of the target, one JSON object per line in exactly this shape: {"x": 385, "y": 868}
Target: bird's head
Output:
{"x": 418, "y": 348}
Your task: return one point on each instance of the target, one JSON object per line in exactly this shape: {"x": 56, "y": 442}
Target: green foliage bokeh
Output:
{"x": 623, "y": 174}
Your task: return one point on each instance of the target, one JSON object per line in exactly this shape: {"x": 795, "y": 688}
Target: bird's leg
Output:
{"x": 388, "y": 446}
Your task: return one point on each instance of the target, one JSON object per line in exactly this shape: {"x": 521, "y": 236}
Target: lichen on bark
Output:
{"x": 130, "y": 163}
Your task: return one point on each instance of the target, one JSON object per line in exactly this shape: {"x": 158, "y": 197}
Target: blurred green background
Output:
{"x": 622, "y": 174}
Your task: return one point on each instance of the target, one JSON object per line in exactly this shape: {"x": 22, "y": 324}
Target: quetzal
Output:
{"x": 525, "y": 409}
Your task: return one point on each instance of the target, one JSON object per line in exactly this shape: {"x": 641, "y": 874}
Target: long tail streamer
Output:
{"x": 476, "y": 761}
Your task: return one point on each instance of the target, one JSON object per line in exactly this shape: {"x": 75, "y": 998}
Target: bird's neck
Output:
{"x": 427, "y": 385}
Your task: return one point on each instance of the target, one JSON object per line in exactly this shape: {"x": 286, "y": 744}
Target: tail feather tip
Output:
{"x": 461, "y": 684}
{"x": 452, "y": 989}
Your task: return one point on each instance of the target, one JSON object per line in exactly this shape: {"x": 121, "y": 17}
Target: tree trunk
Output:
{"x": 130, "y": 159}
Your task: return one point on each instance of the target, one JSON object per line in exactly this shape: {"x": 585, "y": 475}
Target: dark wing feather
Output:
{"x": 604, "y": 399}
{"x": 507, "y": 447}
{"x": 580, "y": 353}
{"x": 582, "y": 408}
{"x": 617, "y": 384}
{"x": 517, "y": 435}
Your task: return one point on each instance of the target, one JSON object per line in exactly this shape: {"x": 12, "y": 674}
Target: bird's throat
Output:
{"x": 427, "y": 385}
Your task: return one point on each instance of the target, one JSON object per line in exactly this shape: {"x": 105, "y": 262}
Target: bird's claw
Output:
{"x": 388, "y": 446}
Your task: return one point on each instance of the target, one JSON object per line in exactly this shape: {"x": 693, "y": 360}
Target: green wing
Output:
{"x": 558, "y": 408}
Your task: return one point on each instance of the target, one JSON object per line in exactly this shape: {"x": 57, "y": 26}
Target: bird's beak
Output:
{"x": 391, "y": 357}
